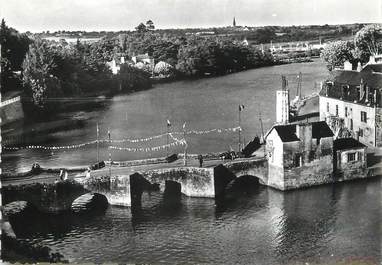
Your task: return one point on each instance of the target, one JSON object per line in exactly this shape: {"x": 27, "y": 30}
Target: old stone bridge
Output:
{"x": 125, "y": 186}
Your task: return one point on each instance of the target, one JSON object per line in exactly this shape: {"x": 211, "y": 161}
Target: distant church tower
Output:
{"x": 282, "y": 103}
{"x": 234, "y": 22}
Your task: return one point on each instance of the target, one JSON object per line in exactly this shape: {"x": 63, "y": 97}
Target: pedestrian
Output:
{"x": 200, "y": 160}
{"x": 87, "y": 175}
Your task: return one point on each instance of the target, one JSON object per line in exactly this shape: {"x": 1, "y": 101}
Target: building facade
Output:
{"x": 352, "y": 99}
{"x": 299, "y": 155}
{"x": 349, "y": 159}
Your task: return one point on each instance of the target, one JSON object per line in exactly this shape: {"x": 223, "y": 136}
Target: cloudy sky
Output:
{"x": 39, "y": 15}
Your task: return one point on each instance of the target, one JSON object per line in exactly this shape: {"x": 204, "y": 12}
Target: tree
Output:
{"x": 368, "y": 41}
{"x": 150, "y": 25}
{"x": 13, "y": 49}
{"x": 141, "y": 28}
{"x": 38, "y": 78}
{"x": 337, "y": 52}
{"x": 132, "y": 78}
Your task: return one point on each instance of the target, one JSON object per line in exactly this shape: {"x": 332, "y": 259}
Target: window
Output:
{"x": 327, "y": 106}
{"x": 360, "y": 132}
{"x": 351, "y": 124}
{"x": 363, "y": 116}
{"x": 336, "y": 110}
{"x": 297, "y": 160}
{"x": 359, "y": 156}
{"x": 351, "y": 157}
{"x": 346, "y": 111}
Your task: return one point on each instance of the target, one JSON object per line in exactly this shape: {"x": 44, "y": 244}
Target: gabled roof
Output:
{"x": 346, "y": 85}
{"x": 347, "y": 143}
{"x": 287, "y": 133}
{"x": 377, "y": 68}
{"x": 320, "y": 129}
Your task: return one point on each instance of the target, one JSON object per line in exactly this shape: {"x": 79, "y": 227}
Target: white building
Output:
{"x": 352, "y": 99}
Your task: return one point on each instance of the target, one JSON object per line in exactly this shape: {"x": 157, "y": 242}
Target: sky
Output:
{"x": 52, "y": 15}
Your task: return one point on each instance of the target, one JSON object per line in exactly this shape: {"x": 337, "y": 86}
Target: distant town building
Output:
{"x": 115, "y": 64}
{"x": 299, "y": 155}
{"x": 352, "y": 100}
{"x": 143, "y": 60}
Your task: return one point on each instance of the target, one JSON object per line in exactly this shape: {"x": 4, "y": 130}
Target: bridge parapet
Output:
{"x": 257, "y": 167}
{"x": 195, "y": 182}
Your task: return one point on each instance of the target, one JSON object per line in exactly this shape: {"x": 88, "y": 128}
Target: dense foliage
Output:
{"x": 13, "y": 48}
{"x": 337, "y": 52}
{"x": 367, "y": 42}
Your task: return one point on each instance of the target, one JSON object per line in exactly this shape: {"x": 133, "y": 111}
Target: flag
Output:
{"x": 241, "y": 107}
{"x": 168, "y": 123}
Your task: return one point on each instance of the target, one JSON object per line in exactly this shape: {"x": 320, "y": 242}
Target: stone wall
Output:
{"x": 316, "y": 172}
{"x": 347, "y": 170}
{"x": 195, "y": 182}
{"x": 256, "y": 167}
{"x": 11, "y": 112}
{"x": 302, "y": 167}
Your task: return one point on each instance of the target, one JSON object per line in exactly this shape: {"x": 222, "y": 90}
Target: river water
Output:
{"x": 335, "y": 224}
{"x": 203, "y": 104}
{"x": 326, "y": 224}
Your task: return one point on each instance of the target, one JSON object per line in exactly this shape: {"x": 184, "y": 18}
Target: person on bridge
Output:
{"x": 200, "y": 157}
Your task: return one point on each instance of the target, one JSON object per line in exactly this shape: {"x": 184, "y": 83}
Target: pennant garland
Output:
{"x": 177, "y": 141}
{"x": 234, "y": 129}
{"x": 149, "y": 149}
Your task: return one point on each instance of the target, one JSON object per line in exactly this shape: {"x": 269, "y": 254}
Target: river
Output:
{"x": 330, "y": 224}
{"x": 202, "y": 104}
{"x": 326, "y": 224}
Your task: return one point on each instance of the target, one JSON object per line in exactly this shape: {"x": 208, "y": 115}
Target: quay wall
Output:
{"x": 11, "y": 111}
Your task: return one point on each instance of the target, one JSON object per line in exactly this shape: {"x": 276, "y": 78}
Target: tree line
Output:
{"x": 366, "y": 42}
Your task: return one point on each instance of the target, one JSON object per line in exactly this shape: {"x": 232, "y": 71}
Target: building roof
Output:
{"x": 142, "y": 56}
{"x": 345, "y": 85}
{"x": 321, "y": 129}
{"x": 347, "y": 143}
{"x": 377, "y": 68}
{"x": 287, "y": 133}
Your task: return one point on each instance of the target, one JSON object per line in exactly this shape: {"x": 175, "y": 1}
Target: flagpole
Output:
{"x": 167, "y": 138}
{"x": 185, "y": 147}
{"x": 108, "y": 132}
{"x": 97, "y": 143}
{"x": 239, "y": 127}
{"x": 262, "y": 131}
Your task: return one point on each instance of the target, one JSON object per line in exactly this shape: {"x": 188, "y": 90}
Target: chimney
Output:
{"x": 375, "y": 97}
{"x": 342, "y": 92}
{"x": 282, "y": 103}
{"x": 304, "y": 133}
{"x": 359, "y": 67}
{"x": 371, "y": 59}
{"x": 361, "y": 90}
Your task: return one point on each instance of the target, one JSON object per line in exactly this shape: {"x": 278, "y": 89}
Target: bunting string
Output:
{"x": 130, "y": 140}
{"x": 218, "y": 130}
{"x": 149, "y": 149}
{"x": 74, "y": 146}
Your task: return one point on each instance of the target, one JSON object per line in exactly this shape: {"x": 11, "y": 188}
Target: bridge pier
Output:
{"x": 126, "y": 190}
